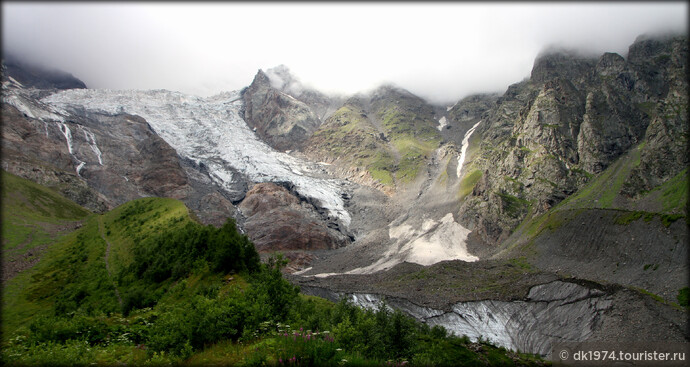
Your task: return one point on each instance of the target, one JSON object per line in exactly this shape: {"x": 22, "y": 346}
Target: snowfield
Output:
{"x": 211, "y": 131}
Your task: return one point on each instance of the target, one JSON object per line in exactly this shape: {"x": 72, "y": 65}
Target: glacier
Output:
{"x": 211, "y": 131}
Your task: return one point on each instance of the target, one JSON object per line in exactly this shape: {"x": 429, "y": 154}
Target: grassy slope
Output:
{"x": 413, "y": 136}
{"x": 33, "y": 214}
{"x": 74, "y": 269}
{"x": 603, "y": 192}
{"x": 667, "y": 202}
{"x": 75, "y": 264}
{"x": 351, "y": 137}
{"x": 35, "y": 219}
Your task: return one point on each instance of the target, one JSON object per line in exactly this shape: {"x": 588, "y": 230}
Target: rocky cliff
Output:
{"x": 280, "y": 119}
{"x": 99, "y": 160}
{"x": 546, "y": 137}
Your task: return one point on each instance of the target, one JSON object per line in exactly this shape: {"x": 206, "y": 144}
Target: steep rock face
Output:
{"x": 323, "y": 105}
{"x": 576, "y": 115}
{"x": 279, "y": 119}
{"x": 277, "y": 220}
{"x": 665, "y": 152}
{"x": 99, "y": 160}
{"x": 464, "y": 114}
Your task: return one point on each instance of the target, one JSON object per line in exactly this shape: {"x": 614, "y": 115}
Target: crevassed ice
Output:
{"x": 210, "y": 130}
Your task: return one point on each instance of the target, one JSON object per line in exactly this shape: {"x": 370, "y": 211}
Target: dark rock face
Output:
{"x": 101, "y": 161}
{"x": 39, "y": 153}
{"x": 665, "y": 153}
{"x": 277, "y": 220}
{"x": 467, "y": 112}
{"x": 38, "y": 77}
{"x": 279, "y": 119}
{"x": 547, "y": 136}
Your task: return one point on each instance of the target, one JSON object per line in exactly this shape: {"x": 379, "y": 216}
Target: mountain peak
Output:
{"x": 282, "y": 79}
{"x": 555, "y": 62}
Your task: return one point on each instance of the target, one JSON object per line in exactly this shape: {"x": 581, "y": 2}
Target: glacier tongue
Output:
{"x": 211, "y": 130}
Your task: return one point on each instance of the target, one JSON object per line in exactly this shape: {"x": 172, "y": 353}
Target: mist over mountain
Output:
{"x": 440, "y": 52}
{"x": 552, "y": 210}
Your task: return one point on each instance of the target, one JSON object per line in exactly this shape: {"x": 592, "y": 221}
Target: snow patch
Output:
{"x": 433, "y": 242}
{"x": 465, "y": 145}
{"x": 31, "y": 110}
{"x": 16, "y": 82}
{"x": 442, "y": 122}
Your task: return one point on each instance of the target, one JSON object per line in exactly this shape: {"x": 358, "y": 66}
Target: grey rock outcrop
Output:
{"x": 278, "y": 118}
{"x": 547, "y": 136}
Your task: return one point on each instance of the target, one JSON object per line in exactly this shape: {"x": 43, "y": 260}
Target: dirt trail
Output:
{"x": 107, "y": 264}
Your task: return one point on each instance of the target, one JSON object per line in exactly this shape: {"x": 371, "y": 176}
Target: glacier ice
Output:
{"x": 211, "y": 130}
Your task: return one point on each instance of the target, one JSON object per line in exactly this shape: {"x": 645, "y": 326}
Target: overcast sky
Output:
{"x": 440, "y": 51}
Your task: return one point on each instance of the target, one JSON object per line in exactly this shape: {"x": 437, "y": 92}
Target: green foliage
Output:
{"x": 469, "y": 181}
{"x": 190, "y": 326}
{"x": 512, "y": 205}
{"x": 272, "y": 291}
{"x": 173, "y": 255}
{"x": 674, "y": 192}
{"x": 629, "y": 217}
{"x": 33, "y": 216}
{"x": 307, "y": 348}
{"x": 683, "y": 296}
{"x": 75, "y": 278}
{"x": 179, "y": 304}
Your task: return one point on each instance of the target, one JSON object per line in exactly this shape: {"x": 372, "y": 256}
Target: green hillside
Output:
{"x": 146, "y": 284}
{"x": 392, "y": 136}
{"x": 32, "y": 215}
{"x": 602, "y": 234}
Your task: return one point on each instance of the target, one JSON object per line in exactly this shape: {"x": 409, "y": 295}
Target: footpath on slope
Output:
{"x": 107, "y": 255}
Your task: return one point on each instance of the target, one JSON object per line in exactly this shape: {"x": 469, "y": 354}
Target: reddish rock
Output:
{"x": 278, "y": 221}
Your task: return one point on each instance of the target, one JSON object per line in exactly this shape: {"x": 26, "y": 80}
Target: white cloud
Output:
{"x": 441, "y": 51}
